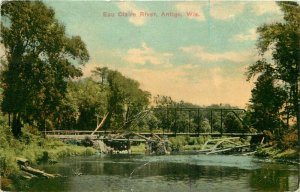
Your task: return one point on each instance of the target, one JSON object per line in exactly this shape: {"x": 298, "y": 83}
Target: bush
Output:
{"x": 289, "y": 140}
{"x": 187, "y": 143}
{"x": 267, "y": 151}
{"x": 87, "y": 142}
{"x": 6, "y": 184}
{"x": 288, "y": 154}
{"x": 268, "y": 136}
{"x": 177, "y": 142}
{"x": 252, "y": 130}
{"x": 7, "y": 165}
{"x": 232, "y": 124}
{"x": 191, "y": 141}
{"x": 203, "y": 139}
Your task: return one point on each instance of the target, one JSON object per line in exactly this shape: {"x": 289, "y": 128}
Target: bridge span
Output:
{"x": 79, "y": 135}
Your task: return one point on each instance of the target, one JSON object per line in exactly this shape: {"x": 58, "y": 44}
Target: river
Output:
{"x": 175, "y": 173}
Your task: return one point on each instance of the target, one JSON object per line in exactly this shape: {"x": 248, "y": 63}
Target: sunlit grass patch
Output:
{"x": 138, "y": 149}
{"x": 287, "y": 154}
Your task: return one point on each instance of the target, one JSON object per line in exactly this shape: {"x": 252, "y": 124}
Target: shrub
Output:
{"x": 268, "y": 136}
{"x": 7, "y": 163}
{"x": 287, "y": 154}
{"x": 6, "y": 184}
{"x": 191, "y": 141}
{"x": 290, "y": 139}
{"x": 253, "y": 130}
{"x": 203, "y": 139}
{"x": 178, "y": 142}
{"x": 87, "y": 142}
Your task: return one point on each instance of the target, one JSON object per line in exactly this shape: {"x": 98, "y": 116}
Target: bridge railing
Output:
{"x": 183, "y": 121}
{"x": 189, "y": 119}
{"x": 76, "y": 132}
{"x": 72, "y": 132}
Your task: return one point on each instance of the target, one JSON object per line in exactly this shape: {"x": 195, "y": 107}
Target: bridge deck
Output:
{"x": 79, "y": 135}
{"x": 75, "y": 137}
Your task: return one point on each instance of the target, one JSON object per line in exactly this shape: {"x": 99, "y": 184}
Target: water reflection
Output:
{"x": 167, "y": 173}
{"x": 271, "y": 179}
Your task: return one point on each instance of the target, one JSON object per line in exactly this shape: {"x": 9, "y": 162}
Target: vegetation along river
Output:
{"x": 181, "y": 172}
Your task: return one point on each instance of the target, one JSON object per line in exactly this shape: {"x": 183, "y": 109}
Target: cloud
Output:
{"x": 145, "y": 55}
{"x": 192, "y": 7}
{"x": 132, "y": 8}
{"x": 226, "y": 10}
{"x": 110, "y": 58}
{"x": 265, "y": 7}
{"x": 204, "y": 55}
{"x": 216, "y": 77}
{"x": 218, "y": 10}
{"x": 251, "y": 35}
{"x": 193, "y": 83}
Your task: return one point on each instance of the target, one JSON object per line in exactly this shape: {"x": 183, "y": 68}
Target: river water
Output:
{"x": 175, "y": 173}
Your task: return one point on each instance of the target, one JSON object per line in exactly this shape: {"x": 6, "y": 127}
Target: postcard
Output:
{"x": 132, "y": 96}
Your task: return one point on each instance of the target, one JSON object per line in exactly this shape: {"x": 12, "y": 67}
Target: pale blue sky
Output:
{"x": 196, "y": 59}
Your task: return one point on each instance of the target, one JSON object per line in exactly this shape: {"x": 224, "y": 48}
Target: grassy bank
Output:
{"x": 281, "y": 147}
{"x": 33, "y": 147}
{"x": 138, "y": 149}
{"x": 180, "y": 143}
{"x": 276, "y": 153}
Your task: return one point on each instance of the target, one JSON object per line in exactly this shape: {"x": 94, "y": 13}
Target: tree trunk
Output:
{"x": 16, "y": 125}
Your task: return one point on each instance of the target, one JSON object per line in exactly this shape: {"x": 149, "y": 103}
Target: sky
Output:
{"x": 195, "y": 51}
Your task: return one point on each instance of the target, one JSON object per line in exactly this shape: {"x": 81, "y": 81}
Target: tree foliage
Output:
{"x": 186, "y": 117}
{"x": 85, "y": 101}
{"x": 40, "y": 58}
{"x": 125, "y": 98}
{"x": 232, "y": 124}
{"x": 276, "y": 88}
{"x": 267, "y": 100}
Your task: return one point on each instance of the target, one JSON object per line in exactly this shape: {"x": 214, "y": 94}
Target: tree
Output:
{"x": 163, "y": 111}
{"x": 40, "y": 59}
{"x": 125, "y": 98}
{"x": 232, "y": 124}
{"x": 267, "y": 100}
{"x": 91, "y": 101}
{"x": 281, "y": 39}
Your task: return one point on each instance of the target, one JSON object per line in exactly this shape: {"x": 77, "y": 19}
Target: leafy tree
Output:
{"x": 281, "y": 39}
{"x": 40, "y": 59}
{"x": 148, "y": 122}
{"x": 172, "y": 115}
{"x": 164, "y": 111}
{"x": 232, "y": 124}
{"x": 102, "y": 72}
{"x": 267, "y": 101}
{"x": 205, "y": 126}
{"x": 89, "y": 100}
{"x": 125, "y": 98}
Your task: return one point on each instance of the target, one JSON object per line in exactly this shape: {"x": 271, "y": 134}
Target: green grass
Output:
{"x": 138, "y": 149}
{"x": 192, "y": 147}
{"x": 34, "y": 148}
{"x": 290, "y": 154}
{"x": 187, "y": 143}
{"x": 274, "y": 152}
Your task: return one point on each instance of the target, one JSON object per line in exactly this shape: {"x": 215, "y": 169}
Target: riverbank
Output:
{"x": 270, "y": 152}
{"x": 35, "y": 149}
{"x": 274, "y": 153}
